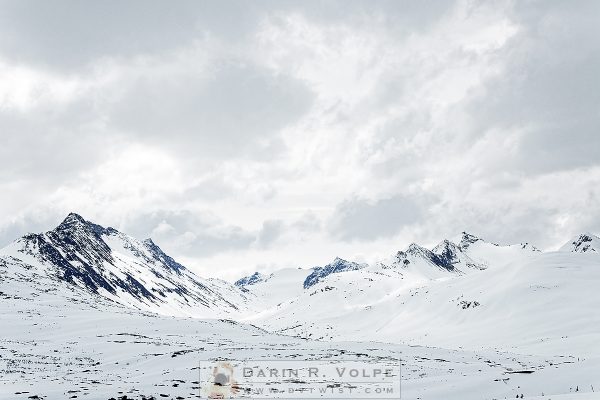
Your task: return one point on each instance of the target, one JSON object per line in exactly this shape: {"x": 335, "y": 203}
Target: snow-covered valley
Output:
{"x": 89, "y": 312}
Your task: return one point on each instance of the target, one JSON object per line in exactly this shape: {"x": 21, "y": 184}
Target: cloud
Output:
{"x": 359, "y": 219}
{"x": 68, "y": 34}
{"x": 269, "y": 233}
{"x": 546, "y": 92}
{"x": 33, "y": 221}
{"x": 191, "y": 234}
{"x": 244, "y": 133}
{"x": 229, "y": 109}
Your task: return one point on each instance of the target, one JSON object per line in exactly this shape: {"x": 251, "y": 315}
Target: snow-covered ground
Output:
{"x": 469, "y": 319}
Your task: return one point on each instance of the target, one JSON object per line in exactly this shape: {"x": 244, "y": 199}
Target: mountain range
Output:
{"x": 319, "y": 302}
{"x": 518, "y": 305}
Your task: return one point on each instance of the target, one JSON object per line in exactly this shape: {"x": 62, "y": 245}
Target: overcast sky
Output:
{"x": 255, "y": 135}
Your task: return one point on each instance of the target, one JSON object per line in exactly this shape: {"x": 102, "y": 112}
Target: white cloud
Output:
{"x": 241, "y": 137}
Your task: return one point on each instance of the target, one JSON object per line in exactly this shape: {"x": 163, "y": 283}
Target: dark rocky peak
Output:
{"x": 78, "y": 238}
{"x": 450, "y": 254}
{"x": 447, "y": 249}
{"x": 75, "y": 224}
{"x": 415, "y": 252}
{"x": 76, "y": 248}
{"x": 338, "y": 265}
{"x": 467, "y": 239}
{"x": 583, "y": 243}
{"x": 251, "y": 279}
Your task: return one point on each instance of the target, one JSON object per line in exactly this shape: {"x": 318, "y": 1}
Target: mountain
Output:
{"x": 542, "y": 303}
{"x": 442, "y": 258}
{"x": 278, "y": 287}
{"x": 61, "y": 341}
{"x": 125, "y": 270}
{"x": 363, "y": 302}
{"x": 289, "y": 297}
{"x": 469, "y": 318}
{"x": 468, "y": 253}
{"x": 338, "y": 265}
{"x": 251, "y": 279}
{"x": 583, "y": 243}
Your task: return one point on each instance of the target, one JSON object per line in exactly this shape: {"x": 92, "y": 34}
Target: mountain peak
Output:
{"x": 72, "y": 220}
{"x": 73, "y": 217}
{"x": 468, "y": 239}
{"x": 251, "y": 279}
{"x": 583, "y": 243}
{"x": 416, "y": 249}
{"x": 338, "y": 265}
{"x": 338, "y": 261}
{"x": 75, "y": 222}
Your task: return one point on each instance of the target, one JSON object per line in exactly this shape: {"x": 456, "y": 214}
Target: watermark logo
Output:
{"x": 221, "y": 383}
{"x": 300, "y": 379}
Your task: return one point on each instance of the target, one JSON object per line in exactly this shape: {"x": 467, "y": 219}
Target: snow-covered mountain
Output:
{"x": 126, "y": 270}
{"x": 415, "y": 264}
{"x": 251, "y": 279}
{"x": 278, "y": 287}
{"x": 367, "y": 302}
{"x": 337, "y": 266}
{"x": 470, "y": 319}
{"x": 583, "y": 243}
{"x": 61, "y": 341}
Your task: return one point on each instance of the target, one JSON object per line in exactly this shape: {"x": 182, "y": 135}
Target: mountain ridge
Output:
{"x": 134, "y": 272}
{"x": 583, "y": 243}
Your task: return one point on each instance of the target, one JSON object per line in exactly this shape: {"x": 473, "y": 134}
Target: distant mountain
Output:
{"x": 278, "y": 287}
{"x": 345, "y": 297}
{"x": 251, "y": 279}
{"x": 126, "y": 270}
{"x": 445, "y": 259}
{"x": 338, "y": 265}
{"x": 583, "y": 243}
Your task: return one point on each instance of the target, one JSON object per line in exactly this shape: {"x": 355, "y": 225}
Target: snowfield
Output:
{"x": 89, "y": 312}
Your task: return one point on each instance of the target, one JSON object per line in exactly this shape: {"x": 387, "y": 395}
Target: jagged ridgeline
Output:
{"x": 124, "y": 269}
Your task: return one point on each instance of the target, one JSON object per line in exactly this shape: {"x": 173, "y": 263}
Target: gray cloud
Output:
{"x": 359, "y": 219}
{"x": 69, "y": 34}
{"x": 270, "y": 114}
{"x": 238, "y": 109}
{"x": 189, "y": 233}
{"x": 51, "y": 143}
{"x": 35, "y": 222}
{"x": 270, "y": 232}
{"x": 548, "y": 89}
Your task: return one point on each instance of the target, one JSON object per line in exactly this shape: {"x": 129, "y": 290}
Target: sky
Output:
{"x": 255, "y": 135}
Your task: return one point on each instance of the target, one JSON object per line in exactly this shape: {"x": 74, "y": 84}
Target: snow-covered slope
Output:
{"x": 126, "y": 270}
{"x": 511, "y": 320}
{"x": 487, "y": 254}
{"x": 584, "y": 243}
{"x": 444, "y": 289}
{"x": 415, "y": 264}
{"x": 544, "y": 304}
{"x": 278, "y": 287}
{"x": 61, "y": 341}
